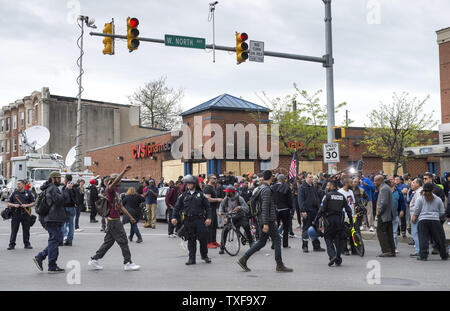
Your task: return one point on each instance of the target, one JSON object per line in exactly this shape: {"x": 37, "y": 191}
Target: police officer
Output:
{"x": 194, "y": 208}
{"x": 332, "y": 208}
{"x": 21, "y": 201}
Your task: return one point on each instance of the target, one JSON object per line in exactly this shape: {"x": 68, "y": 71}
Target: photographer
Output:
{"x": 21, "y": 201}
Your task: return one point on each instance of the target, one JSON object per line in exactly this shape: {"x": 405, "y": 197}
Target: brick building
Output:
{"x": 151, "y": 156}
{"x": 103, "y": 123}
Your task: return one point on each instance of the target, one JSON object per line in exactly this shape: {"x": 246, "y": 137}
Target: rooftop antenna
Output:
{"x": 212, "y": 8}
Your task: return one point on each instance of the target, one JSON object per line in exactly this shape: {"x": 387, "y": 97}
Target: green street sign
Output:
{"x": 185, "y": 42}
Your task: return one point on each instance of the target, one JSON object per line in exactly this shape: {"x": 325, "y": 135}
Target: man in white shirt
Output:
{"x": 347, "y": 192}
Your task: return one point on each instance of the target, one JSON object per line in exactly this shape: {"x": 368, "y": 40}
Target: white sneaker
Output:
{"x": 372, "y": 229}
{"x": 131, "y": 266}
{"x": 79, "y": 230}
{"x": 448, "y": 223}
{"x": 94, "y": 264}
{"x": 396, "y": 251}
{"x": 361, "y": 228}
{"x": 172, "y": 236}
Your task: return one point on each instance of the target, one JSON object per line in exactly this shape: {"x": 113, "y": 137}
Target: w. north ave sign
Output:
{"x": 185, "y": 42}
{"x": 147, "y": 150}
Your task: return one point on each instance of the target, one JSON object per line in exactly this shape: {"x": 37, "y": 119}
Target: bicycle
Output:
{"x": 356, "y": 233}
{"x": 234, "y": 237}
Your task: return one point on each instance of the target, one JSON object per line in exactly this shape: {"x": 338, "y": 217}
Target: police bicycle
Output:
{"x": 355, "y": 231}
{"x": 234, "y": 237}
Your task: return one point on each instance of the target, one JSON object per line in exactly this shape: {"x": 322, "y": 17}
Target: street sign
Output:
{"x": 256, "y": 51}
{"x": 185, "y": 42}
{"x": 331, "y": 153}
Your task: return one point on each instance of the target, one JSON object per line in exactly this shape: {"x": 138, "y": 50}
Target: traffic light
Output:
{"x": 241, "y": 47}
{"x": 339, "y": 133}
{"x": 108, "y": 42}
{"x": 132, "y": 33}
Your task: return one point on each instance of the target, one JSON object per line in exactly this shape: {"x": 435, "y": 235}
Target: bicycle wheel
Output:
{"x": 359, "y": 244}
{"x": 232, "y": 245}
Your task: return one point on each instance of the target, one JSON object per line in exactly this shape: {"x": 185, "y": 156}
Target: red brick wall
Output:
{"x": 444, "y": 63}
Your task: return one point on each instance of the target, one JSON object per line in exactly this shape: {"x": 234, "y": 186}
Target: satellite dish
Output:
{"x": 71, "y": 157}
{"x": 37, "y": 136}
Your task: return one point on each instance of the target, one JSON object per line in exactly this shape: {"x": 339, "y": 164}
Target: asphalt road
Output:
{"x": 162, "y": 260}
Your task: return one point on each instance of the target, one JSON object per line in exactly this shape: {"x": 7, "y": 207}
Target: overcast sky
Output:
{"x": 372, "y": 60}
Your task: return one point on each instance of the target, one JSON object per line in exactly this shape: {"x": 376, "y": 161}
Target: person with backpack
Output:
{"x": 52, "y": 215}
{"x": 282, "y": 196}
{"x": 270, "y": 229}
{"x": 233, "y": 202}
{"x": 115, "y": 231}
{"x": 21, "y": 201}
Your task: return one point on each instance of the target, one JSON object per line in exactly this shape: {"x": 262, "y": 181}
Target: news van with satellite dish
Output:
{"x": 36, "y": 167}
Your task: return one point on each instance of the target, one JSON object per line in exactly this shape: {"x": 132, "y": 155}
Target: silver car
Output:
{"x": 161, "y": 207}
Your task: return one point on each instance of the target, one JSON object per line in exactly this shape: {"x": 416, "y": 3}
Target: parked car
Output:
{"x": 161, "y": 208}
{"x": 9, "y": 189}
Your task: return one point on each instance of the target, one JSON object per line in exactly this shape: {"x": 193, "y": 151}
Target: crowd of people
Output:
{"x": 317, "y": 205}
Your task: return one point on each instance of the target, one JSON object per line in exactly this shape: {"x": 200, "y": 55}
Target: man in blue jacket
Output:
{"x": 400, "y": 208}
{"x": 369, "y": 188}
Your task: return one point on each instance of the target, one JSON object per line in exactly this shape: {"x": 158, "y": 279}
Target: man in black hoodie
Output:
{"x": 282, "y": 195}
{"x": 269, "y": 216}
{"x": 309, "y": 203}
{"x": 53, "y": 223}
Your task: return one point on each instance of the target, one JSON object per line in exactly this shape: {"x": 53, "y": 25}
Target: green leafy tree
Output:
{"x": 301, "y": 118}
{"x": 393, "y": 127}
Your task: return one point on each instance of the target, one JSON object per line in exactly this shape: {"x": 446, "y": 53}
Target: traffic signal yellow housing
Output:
{"x": 108, "y": 42}
{"x": 132, "y": 33}
{"x": 339, "y": 132}
{"x": 241, "y": 47}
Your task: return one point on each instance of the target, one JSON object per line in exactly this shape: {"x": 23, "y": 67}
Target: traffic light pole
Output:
{"x": 330, "y": 79}
{"x": 327, "y": 61}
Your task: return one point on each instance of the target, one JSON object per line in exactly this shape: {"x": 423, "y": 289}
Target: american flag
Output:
{"x": 292, "y": 172}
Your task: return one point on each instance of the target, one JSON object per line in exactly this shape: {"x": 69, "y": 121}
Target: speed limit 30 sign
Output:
{"x": 331, "y": 153}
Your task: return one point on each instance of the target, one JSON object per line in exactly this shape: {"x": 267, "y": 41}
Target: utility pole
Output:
{"x": 329, "y": 74}
{"x": 89, "y": 23}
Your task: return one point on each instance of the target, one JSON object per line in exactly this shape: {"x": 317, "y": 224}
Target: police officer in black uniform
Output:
{"x": 332, "y": 208}
{"x": 21, "y": 201}
{"x": 196, "y": 211}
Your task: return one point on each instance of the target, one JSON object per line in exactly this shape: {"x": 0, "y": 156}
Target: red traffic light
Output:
{"x": 134, "y": 22}
{"x": 244, "y": 36}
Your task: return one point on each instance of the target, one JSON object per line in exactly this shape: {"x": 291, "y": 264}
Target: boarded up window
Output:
{"x": 314, "y": 167}
{"x": 172, "y": 169}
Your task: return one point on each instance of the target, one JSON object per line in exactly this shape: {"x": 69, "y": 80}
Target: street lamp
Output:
{"x": 89, "y": 23}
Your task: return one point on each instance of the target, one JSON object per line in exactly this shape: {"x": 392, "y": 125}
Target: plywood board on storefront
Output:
{"x": 172, "y": 169}
{"x": 310, "y": 166}
{"x": 239, "y": 167}
{"x": 388, "y": 168}
{"x": 199, "y": 168}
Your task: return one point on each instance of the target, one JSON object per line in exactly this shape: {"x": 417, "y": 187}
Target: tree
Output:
{"x": 396, "y": 126}
{"x": 301, "y": 117}
{"x": 159, "y": 103}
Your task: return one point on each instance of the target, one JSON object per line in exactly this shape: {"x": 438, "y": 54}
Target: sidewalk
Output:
{"x": 367, "y": 235}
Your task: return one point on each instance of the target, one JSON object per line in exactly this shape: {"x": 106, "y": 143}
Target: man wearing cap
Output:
{"x": 234, "y": 203}
{"x": 196, "y": 212}
{"x": 53, "y": 223}
{"x": 93, "y": 197}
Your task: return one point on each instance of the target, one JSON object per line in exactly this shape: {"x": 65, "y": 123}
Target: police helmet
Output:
{"x": 189, "y": 179}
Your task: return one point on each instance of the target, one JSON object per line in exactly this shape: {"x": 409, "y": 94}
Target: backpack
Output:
{"x": 42, "y": 208}
{"x": 255, "y": 203}
{"x": 102, "y": 206}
